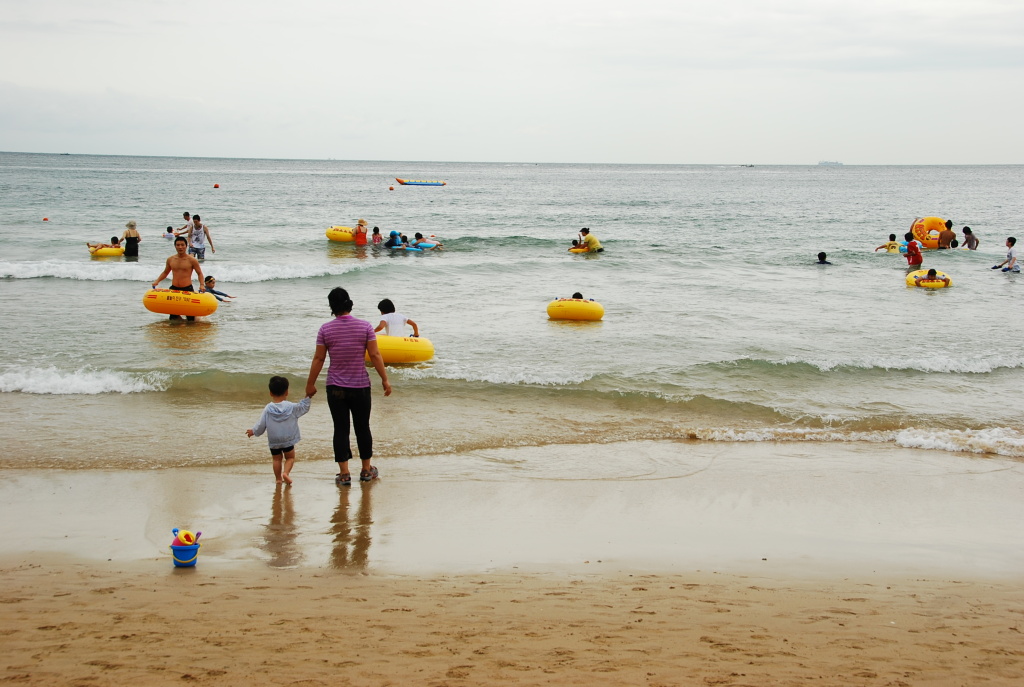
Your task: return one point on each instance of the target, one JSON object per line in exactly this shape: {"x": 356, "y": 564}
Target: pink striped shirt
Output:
{"x": 345, "y": 338}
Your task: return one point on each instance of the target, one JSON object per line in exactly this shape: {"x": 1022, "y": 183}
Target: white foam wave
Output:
{"x": 84, "y": 271}
{"x": 50, "y": 380}
{"x": 247, "y": 274}
{"x": 944, "y": 364}
{"x": 1000, "y": 441}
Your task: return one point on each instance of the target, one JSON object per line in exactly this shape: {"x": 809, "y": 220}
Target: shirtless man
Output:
{"x": 180, "y": 266}
{"x": 947, "y": 235}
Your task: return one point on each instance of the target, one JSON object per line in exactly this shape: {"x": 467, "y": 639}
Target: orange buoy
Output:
{"x": 46, "y": 219}
{"x": 391, "y": 188}
{"x": 216, "y": 185}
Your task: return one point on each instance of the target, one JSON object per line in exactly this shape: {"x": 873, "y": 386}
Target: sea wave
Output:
{"x": 81, "y": 271}
{"x": 499, "y": 375}
{"x": 932, "y": 364}
{"x": 50, "y": 380}
{"x": 995, "y": 440}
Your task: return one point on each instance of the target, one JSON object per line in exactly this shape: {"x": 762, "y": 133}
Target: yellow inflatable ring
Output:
{"x": 578, "y": 250}
{"x": 575, "y": 309}
{"x": 341, "y": 234}
{"x": 184, "y": 303}
{"x": 926, "y": 230}
{"x": 106, "y": 252}
{"x": 912, "y": 280}
{"x": 404, "y": 349}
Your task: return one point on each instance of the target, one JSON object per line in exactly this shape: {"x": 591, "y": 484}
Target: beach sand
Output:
{"x": 732, "y": 564}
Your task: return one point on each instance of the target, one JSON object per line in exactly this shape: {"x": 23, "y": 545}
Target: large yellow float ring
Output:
{"x": 926, "y": 230}
{"x": 341, "y": 234}
{"x": 578, "y": 250}
{"x": 404, "y": 349}
{"x": 106, "y": 252}
{"x": 575, "y": 309}
{"x": 184, "y": 303}
{"x": 912, "y": 280}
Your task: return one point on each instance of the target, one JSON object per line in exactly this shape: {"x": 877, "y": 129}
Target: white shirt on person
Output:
{"x": 394, "y": 323}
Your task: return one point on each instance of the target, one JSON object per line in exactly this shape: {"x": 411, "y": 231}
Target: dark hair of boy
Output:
{"x": 386, "y": 307}
{"x": 892, "y": 237}
{"x": 278, "y": 386}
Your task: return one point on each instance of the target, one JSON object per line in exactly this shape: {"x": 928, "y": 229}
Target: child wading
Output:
{"x": 280, "y": 420}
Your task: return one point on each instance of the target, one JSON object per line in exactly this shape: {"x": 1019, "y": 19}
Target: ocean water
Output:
{"x": 719, "y": 327}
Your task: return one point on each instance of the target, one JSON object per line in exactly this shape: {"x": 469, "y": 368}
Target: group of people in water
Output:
{"x": 946, "y": 240}
{"x": 395, "y": 239}
{"x": 910, "y": 247}
{"x": 197, "y": 236}
{"x": 129, "y": 240}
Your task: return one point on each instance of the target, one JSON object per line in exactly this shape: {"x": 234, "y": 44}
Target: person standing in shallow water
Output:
{"x": 347, "y": 341}
{"x": 130, "y": 240}
{"x": 359, "y": 233}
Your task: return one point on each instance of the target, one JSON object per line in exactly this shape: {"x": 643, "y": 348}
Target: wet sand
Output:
{"x": 739, "y": 564}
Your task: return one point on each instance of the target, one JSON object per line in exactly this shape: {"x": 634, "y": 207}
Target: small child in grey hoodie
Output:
{"x": 280, "y": 420}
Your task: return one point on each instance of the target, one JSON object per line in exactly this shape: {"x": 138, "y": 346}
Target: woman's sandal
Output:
{"x": 343, "y": 479}
{"x": 368, "y": 475}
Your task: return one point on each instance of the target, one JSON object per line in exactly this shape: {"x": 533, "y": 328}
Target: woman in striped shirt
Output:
{"x": 347, "y": 341}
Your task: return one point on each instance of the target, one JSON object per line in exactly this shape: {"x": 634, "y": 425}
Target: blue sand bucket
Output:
{"x": 185, "y": 556}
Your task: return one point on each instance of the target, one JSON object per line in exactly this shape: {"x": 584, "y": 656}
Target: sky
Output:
{"x": 674, "y": 82}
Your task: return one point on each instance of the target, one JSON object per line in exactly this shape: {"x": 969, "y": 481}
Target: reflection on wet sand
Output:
{"x": 280, "y": 533}
{"x": 352, "y": 539}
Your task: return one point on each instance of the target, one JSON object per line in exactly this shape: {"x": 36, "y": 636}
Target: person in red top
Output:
{"x": 913, "y": 254}
{"x": 360, "y": 232}
{"x": 348, "y": 341}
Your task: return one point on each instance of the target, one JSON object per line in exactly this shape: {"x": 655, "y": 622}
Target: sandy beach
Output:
{"x": 708, "y": 564}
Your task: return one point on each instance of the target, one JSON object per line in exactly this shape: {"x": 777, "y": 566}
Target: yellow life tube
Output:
{"x": 575, "y": 309}
{"x": 578, "y": 250}
{"x": 926, "y": 230}
{"x": 184, "y": 303}
{"x": 913, "y": 280}
{"x": 106, "y": 252}
{"x": 341, "y": 234}
{"x": 404, "y": 349}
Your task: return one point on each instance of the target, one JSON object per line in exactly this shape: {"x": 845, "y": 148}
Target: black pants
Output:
{"x": 190, "y": 318}
{"x": 343, "y": 400}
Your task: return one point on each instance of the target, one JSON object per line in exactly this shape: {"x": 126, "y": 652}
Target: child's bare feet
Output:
{"x": 279, "y": 481}
{"x": 286, "y": 478}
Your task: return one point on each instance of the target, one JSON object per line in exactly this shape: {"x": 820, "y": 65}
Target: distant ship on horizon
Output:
{"x": 830, "y": 163}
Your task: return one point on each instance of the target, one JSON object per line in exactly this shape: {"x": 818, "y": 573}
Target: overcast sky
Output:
{"x": 714, "y": 81}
